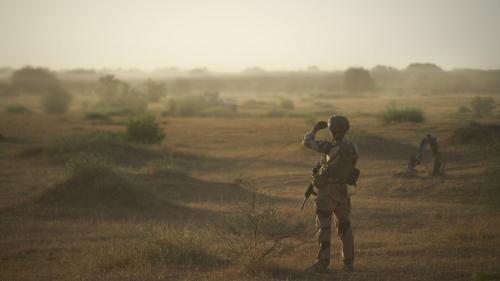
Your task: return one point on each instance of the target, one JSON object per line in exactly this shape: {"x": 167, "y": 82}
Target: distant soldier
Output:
{"x": 330, "y": 180}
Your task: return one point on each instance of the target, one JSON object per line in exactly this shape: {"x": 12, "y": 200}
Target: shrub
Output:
{"x": 144, "y": 129}
{"x": 56, "y": 101}
{"x": 477, "y": 133}
{"x": 408, "y": 114}
{"x": 87, "y": 165}
{"x": 482, "y": 106}
{"x": 155, "y": 90}
{"x": 287, "y": 104}
{"x": 464, "y": 109}
{"x": 358, "y": 80}
{"x": 208, "y": 104}
{"x": 18, "y": 109}
{"x": 118, "y": 96}
{"x": 257, "y": 233}
{"x": 252, "y": 103}
{"x": 97, "y": 116}
{"x": 34, "y": 80}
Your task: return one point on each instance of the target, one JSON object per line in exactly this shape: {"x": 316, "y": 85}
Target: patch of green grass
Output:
{"x": 18, "y": 108}
{"x": 393, "y": 113}
{"x": 144, "y": 129}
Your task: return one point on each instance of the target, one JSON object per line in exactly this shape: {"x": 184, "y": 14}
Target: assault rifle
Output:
{"x": 310, "y": 188}
{"x": 309, "y": 191}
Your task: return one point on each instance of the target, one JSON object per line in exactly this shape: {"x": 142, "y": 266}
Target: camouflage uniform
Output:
{"x": 332, "y": 199}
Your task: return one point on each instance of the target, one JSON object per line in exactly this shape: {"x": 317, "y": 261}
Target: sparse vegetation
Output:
{"x": 286, "y": 104}
{"x": 476, "y": 133}
{"x": 173, "y": 247}
{"x": 258, "y": 232}
{"x": 57, "y": 101}
{"x": 209, "y": 104}
{"x": 155, "y": 90}
{"x": 482, "y": 107}
{"x": 464, "y": 109}
{"x": 18, "y": 109}
{"x": 31, "y": 80}
{"x": 96, "y": 115}
{"x": 358, "y": 80}
{"x": 113, "y": 209}
{"x": 393, "y": 113}
{"x": 117, "y": 96}
{"x": 144, "y": 129}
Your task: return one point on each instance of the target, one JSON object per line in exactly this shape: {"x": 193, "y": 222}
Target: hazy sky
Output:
{"x": 228, "y": 35}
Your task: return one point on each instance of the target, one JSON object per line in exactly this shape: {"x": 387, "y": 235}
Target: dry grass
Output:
{"x": 143, "y": 220}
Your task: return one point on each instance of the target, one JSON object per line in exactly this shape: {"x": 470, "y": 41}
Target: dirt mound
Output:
{"x": 110, "y": 146}
{"x": 476, "y": 133}
{"x": 184, "y": 188}
{"x": 108, "y": 194}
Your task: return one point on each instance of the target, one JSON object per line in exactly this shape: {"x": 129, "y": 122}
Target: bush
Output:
{"x": 87, "y": 165}
{"x": 464, "y": 109}
{"x": 34, "y": 80}
{"x": 287, "y": 104}
{"x": 252, "y": 103}
{"x": 208, "y": 104}
{"x": 482, "y": 106}
{"x": 155, "y": 90}
{"x": 118, "y": 96}
{"x": 476, "y": 133}
{"x": 408, "y": 114}
{"x": 358, "y": 80}
{"x": 257, "y": 233}
{"x": 56, "y": 101}
{"x": 97, "y": 116}
{"x": 18, "y": 109}
{"x": 144, "y": 129}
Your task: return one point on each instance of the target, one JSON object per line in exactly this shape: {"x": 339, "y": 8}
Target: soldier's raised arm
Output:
{"x": 310, "y": 141}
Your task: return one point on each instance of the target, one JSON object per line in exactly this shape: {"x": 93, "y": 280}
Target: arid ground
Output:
{"x": 155, "y": 212}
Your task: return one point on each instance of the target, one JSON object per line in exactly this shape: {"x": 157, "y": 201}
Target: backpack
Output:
{"x": 341, "y": 169}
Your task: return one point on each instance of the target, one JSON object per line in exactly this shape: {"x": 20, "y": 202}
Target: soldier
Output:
{"x": 339, "y": 159}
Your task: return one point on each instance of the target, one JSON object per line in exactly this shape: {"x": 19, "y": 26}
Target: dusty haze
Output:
{"x": 228, "y": 35}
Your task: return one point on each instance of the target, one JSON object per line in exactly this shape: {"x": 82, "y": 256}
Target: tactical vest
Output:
{"x": 340, "y": 169}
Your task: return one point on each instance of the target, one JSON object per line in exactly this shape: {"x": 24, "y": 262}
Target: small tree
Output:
{"x": 155, "y": 90}
{"x": 34, "y": 80}
{"x": 358, "y": 80}
{"x": 56, "y": 101}
{"x": 118, "y": 95}
{"x": 144, "y": 129}
{"x": 482, "y": 106}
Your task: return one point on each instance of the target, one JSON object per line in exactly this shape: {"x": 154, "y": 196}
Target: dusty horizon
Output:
{"x": 228, "y": 36}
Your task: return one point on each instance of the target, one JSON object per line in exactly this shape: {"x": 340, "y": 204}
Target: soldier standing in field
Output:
{"x": 330, "y": 181}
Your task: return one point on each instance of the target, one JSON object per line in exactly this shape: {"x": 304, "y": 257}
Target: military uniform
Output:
{"x": 332, "y": 200}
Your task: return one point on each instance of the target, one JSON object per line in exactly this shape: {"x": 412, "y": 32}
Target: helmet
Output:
{"x": 338, "y": 124}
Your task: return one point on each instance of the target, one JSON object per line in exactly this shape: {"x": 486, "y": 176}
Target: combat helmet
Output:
{"x": 338, "y": 125}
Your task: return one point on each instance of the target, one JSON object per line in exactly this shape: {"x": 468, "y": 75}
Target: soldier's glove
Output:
{"x": 320, "y": 125}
